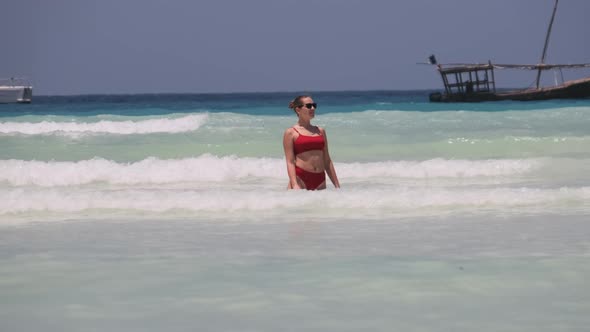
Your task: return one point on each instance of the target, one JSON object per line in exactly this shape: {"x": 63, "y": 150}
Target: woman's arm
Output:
{"x": 290, "y": 158}
{"x": 328, "y": 165}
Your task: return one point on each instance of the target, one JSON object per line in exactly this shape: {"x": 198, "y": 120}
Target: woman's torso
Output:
{"x": 308, "y": 146}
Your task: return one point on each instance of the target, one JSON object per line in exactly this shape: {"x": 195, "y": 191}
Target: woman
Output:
{"x": 306, "y": 150}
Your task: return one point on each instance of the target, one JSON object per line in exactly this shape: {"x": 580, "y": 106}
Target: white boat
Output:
{"x": 14, "y": 91}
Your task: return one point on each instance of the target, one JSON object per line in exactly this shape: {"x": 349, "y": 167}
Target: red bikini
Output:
{"x": 305, "y": 143}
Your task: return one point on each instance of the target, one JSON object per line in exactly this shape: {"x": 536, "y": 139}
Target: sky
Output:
{"x": 71, "y": 47}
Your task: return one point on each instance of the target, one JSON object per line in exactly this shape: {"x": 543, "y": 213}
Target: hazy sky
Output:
{"x": 151, "y": 46}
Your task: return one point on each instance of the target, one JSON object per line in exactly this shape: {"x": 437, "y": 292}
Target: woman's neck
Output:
{"x": 304, "y": 124}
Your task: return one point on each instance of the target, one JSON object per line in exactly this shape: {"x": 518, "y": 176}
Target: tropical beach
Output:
{"x": 146, "y": 156}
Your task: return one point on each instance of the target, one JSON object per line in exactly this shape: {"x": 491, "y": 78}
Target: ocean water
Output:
{"x": 170, "y": 213}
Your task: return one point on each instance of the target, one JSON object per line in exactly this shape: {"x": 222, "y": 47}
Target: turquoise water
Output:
{"x": 169, "y": 212}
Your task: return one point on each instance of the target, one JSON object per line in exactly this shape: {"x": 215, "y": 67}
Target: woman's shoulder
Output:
{"x": 290, "y": 131}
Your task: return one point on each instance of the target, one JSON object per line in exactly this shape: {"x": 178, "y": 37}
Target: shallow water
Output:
{"x": 169, "y": 212}
{"x": 461, "y": 273}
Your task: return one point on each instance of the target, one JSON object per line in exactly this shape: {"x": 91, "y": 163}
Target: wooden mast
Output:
{"x": 546, "y": 43}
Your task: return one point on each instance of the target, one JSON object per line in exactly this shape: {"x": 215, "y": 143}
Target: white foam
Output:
{"x": 441, "y": 168}
{"x": 209, "y": 168}
{"x": 151, "y": 170}
{"x": 123, "y": 127}
{"x": 357, "y": 202}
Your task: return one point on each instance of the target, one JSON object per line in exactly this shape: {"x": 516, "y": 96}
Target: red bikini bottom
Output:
{"x": 311, "y": 180}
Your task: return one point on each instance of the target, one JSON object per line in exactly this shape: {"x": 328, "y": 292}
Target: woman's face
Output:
{"x": 305, "y": 112}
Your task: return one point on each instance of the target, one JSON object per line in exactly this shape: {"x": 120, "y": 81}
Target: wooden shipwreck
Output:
{"x": 476, "y": 82}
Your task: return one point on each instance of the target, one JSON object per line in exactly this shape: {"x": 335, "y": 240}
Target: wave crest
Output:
{"x": 209, "y": 168}
{"x": 395, "y": 199}
{"x": 125, "y": 127}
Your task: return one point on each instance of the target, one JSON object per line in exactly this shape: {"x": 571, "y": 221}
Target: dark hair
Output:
{"x": 297, "y": 101}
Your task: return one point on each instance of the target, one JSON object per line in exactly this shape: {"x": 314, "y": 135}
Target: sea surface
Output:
{"x": 170, "y": 213}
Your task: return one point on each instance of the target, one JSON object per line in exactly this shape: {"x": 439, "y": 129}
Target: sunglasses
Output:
{"x": 310, "y": 105}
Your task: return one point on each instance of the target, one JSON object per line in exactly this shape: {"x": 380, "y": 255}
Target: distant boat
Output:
{"x": 465, "y": 82}
{"x": 13, "y": 90}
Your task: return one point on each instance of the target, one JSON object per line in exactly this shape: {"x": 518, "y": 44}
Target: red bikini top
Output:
{"x": 305, "y": 143}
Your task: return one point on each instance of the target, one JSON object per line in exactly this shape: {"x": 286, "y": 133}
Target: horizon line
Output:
{"x": 234, "y": 92}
